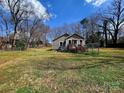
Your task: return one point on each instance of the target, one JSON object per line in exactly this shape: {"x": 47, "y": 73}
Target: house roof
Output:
{"x": 75, "y": 36}
{"x": 66, "y": 35}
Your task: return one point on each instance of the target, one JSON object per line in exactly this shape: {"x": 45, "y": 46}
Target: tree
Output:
{"x": 85, "y": 23}
{"x": 33, "y": 30}
{"x": 26, "y": 23}
{"x": 18, "y": 11}
{"x": 105, "y": 23}
{"x": 115, "y": 18}
{"x": 91, "y": 28}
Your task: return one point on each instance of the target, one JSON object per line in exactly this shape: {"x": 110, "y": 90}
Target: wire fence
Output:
{"x": 93, "y": 47}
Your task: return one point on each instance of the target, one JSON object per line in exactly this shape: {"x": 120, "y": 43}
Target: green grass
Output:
{"x": 45, "y": 71}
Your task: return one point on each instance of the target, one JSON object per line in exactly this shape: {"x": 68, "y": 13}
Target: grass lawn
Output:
{"x": 45, "y": 71}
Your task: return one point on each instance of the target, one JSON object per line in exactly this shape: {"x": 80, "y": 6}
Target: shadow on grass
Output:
{"x": 64, "y": 65}
{"x": 94, "y": 53}
{"x": 50, "y": 50}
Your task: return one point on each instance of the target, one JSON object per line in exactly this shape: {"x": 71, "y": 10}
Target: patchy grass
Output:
{"x": 45, "y": 71}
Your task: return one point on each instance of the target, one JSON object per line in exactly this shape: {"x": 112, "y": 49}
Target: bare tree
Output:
{"x": 18, "y": 11}
{"x": 105, "y": 23}
{"x": 115, "y": 18}
{"x": 91, "y": 28}
{"x": 33, "y": 30}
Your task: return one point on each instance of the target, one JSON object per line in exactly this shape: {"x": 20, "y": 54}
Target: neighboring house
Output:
{"x": 66, "y": 40}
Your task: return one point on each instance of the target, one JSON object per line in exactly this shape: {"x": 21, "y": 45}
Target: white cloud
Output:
{"x": 34, "y": 5}
{"x": 88, "y": 1}
{"x": 39, "y": 9}
{"x": 95, "y": 2}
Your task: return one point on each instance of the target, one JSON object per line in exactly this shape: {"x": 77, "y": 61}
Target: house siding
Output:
{"x": 56, "y": 43}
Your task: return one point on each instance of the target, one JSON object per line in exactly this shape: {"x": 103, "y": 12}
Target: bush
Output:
{"x": 20, "y": 45}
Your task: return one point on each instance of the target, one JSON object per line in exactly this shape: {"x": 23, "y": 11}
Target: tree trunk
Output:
{"x": 115, "y": 37}
{"x": 105, "y": 32}
{"x": 14, "y": 37}
{"x": 115, "y": 42}
{"x": 28, "y": 44}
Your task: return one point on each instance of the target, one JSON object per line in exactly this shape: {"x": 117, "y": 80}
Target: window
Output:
{"x": 69, "y": 41}
{"x": 61, "y": 43}
{"x": 80, "y": 41}
{"x": 64, "y": 43}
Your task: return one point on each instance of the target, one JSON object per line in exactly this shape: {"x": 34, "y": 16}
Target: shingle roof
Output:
{"x": 66, "y": 35}
{"x": 75, "y": 36}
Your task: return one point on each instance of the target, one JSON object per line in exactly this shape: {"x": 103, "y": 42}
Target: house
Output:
{"x": 67, "y": 41}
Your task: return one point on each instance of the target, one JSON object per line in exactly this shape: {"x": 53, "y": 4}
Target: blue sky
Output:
{"x": 70, "y": 11}
{"x": 63, "y": 11}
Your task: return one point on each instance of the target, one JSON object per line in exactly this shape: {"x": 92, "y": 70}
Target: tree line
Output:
{"x": 18, "y": 21}
{"x": 109, "y": 21}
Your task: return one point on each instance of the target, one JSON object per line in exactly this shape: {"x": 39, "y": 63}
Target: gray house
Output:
{"x": 66, "y": 40}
